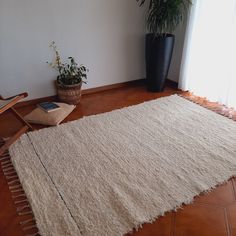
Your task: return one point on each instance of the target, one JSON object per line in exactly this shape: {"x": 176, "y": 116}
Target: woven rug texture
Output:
{"x": 108, "y": 174}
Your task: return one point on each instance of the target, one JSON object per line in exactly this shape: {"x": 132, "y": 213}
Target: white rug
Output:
{"x": 107, "y": 174}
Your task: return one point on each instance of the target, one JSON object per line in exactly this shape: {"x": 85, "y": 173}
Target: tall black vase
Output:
{"x": 159, "y": 52}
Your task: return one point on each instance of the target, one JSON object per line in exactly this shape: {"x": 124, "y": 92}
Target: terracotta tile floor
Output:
{"x": 212, "y": 214}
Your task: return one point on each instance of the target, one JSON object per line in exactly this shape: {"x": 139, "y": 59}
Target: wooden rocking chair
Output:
{"x": 7, "y": 104}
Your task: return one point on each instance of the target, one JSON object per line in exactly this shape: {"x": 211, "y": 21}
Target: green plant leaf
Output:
{"x": 163, "y": 16}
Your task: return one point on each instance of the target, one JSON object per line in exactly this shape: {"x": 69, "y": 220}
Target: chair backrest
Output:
{"x": 5, "y": 104}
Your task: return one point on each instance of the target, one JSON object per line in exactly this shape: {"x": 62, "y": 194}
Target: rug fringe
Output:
{"x": 14, "y": 186}
{"x": 7, "y": 165}
{"x": 23, "y": 208}
{"x": 21, "y": 201}
{"x": 9, "y": 173}
{"x": 34, "y": 234}
{"x": 9, "y": 177}
{"x": 3, "y": 158}
{"x": 27, "y": 221}
{"x": 25, "y": 213}
{"x": 8, "y": 169}
{"x": 213, "y": 106}
{"x": 17, "y": 190}
{"x": 6, "y": 162}
{"x": 19, "y": 195}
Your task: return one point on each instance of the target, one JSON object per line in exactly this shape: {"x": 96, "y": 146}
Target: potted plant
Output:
{"x": 163, "y": 17}
{"x": 70, "y": 78}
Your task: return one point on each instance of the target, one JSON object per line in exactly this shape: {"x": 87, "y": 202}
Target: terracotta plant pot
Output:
{"x": 69, "y": 94}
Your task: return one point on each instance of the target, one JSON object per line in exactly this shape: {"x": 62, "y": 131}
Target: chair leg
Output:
{"x": 12, "y": 139}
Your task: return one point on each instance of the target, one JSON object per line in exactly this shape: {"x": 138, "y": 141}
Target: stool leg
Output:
{"x": 19, "y": 117}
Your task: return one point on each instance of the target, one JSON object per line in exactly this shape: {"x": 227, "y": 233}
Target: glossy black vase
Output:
{"x": 159, "y": 52}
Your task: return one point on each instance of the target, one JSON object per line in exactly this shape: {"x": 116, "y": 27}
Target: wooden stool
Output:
{"x": 7, "y": 104}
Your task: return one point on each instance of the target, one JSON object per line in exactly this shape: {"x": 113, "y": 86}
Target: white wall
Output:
{"x": 105, "y": 35}
{"x": 177, "y": 53}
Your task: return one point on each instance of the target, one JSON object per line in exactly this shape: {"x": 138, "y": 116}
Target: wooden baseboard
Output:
{"x": 114, "y": 86}
{"x": 139, "y": 82}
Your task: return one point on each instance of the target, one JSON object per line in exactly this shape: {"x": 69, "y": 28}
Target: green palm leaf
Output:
{"x": 163, "y": 16}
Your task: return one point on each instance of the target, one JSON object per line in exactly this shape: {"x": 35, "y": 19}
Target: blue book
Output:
{"x": 48, "y": 106}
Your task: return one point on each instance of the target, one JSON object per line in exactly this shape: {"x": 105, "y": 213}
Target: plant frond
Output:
{"x": 163, "y": 16}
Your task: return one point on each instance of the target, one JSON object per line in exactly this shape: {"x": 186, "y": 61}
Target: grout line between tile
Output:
{"x": 234, "y": 188}
{"x": 173, "y": 224}
{"x": 227, "y": 224}
{"x": 210, "y": 204}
